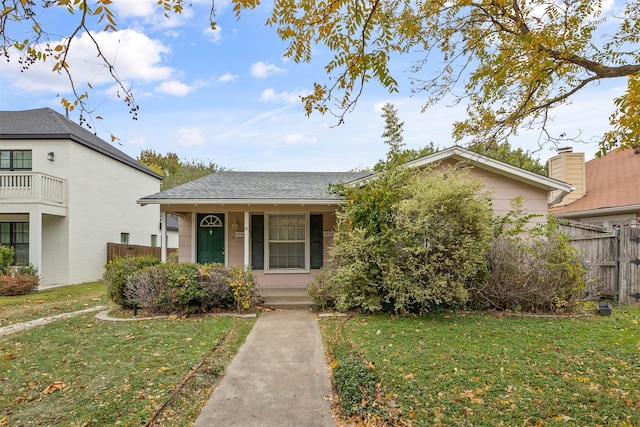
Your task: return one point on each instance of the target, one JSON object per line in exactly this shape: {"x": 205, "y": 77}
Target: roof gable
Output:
{"x": 487, "y": 163}
{"x": 45, "y": 123}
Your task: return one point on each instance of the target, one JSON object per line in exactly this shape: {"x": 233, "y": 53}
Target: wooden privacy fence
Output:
{"x": 123, "y": 249}
{"x": 613, "y": 253}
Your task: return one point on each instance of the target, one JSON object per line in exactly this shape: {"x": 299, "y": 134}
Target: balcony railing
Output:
{"x": 23, "y": 187}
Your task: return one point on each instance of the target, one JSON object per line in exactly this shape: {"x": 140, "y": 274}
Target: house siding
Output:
{"x": 104, "y": 207}
{"x": 101, "y": 196}
{"x": 503, "y": 190}
{"x": 234, "y": 253}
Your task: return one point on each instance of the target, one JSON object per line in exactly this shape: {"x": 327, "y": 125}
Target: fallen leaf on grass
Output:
{"x": 165, "y": 368}
{"x": 53, "y": 387}
{"x": 561, "y": 417}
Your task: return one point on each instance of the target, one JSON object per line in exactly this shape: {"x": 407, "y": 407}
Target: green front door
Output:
{"x": 210, "y": 238}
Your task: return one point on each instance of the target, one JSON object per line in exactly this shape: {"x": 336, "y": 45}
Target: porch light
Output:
{"x": 50, "y": 156}
{"x": 235, "y": 224}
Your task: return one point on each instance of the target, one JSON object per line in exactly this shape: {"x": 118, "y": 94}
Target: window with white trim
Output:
{"x": 287, "y": 241}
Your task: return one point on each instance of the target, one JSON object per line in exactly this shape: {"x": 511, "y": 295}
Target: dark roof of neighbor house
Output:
{"x": 611, "y": 182}
{"x": 251, "y": 187}
{"x": 45, "y": 123}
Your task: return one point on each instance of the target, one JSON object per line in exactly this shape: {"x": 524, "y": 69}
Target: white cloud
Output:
{"x": 288, "y": 97}
{"x": 150, "y": 12}
{"x": 137, "y": 8}
{"x": 136, "y": 58}
{"x": 190, "y": 136}
{"x": 139, "y": 141}
{"x": 212, "y": 35}
{"x": 262, "y": 70}
{"x": 227, "y": 78}
{"x": 298, "y": 138}
{"x": 174, "y": 87}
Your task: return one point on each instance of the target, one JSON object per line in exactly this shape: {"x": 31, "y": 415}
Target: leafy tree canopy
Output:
{"x": 398, "y": 155}
{"x": 511, "y": 61}
{"x": 176, "y": 171}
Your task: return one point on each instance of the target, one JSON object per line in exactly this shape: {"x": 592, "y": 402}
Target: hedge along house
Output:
{"x": 279, "y": 224}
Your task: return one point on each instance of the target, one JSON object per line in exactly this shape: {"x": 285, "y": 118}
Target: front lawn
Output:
{"x": 63, "y": 299}
{"x": 485, "y": 370}
{"x": 80, "y": 371}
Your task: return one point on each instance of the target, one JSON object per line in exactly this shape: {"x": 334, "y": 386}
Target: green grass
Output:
{"x": 114, "y": 373}
{"x": 483, "y": 370}
{"x": 52, "y": 301}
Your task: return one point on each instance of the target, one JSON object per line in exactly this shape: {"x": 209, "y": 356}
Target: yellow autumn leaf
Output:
{"x": 562, "y": 417}
{"x": 165, "y": 368}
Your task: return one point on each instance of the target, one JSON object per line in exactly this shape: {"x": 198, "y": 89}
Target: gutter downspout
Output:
{"x": 559, "y": 197}
{"x": 616, "y": 297}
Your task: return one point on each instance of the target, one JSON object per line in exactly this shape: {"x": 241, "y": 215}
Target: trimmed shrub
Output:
{"x": 190, "y": 288}
{"x": 147, "y": 289}
{"x": 214, "y": 279}
{"x": 19, "y": 284}
{"x": 323, "y": 291}
{"x": 244, "y": 287}
{"x": 117, "y": 271}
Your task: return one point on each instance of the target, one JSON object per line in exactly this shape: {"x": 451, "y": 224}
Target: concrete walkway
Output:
{"x": 278, "y": 378}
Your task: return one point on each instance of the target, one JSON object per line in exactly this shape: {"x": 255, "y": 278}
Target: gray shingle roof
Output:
{"x": 45, "y": 123}
{"x": 258, "y": 186}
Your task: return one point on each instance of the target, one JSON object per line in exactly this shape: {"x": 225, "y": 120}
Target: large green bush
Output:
{"x": 409, "y": 241}
{"x": 117, "y": 271}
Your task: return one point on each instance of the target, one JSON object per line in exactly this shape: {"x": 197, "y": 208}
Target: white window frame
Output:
{"x": 307, "y": 244}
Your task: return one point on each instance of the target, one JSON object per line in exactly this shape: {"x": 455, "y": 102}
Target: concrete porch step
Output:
{"x": 286, "y": 298}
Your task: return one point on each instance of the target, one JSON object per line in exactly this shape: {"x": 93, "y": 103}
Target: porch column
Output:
{"x": 246, "y": 239}
{"x": 35, "y": 239}
{"x": 163, "y": 237}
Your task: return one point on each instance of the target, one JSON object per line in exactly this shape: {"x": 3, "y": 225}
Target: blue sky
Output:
{"x": 229, "y": 96}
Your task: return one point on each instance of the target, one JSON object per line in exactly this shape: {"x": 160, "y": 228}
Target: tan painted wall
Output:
{"x": 503, "y": 190}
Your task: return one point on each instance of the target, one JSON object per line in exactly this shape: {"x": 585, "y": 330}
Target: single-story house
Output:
{"x": 606, "y": 188}
{"x": 280, "y": 224}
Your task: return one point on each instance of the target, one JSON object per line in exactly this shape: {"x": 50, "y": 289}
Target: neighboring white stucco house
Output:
{"x": 65, "y": 193}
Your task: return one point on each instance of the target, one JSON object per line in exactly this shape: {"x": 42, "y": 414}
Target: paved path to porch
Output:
{"x": 278, "y": 378}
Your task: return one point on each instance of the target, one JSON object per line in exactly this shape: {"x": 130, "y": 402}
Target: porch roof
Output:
{"x": 256, "y": 187}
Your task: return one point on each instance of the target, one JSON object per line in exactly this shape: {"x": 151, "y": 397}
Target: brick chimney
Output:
{"x": 569, "y": 167}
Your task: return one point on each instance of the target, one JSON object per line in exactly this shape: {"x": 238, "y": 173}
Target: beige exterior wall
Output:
{"x": 503, "y": 190}
{"x": 235, "y": 246}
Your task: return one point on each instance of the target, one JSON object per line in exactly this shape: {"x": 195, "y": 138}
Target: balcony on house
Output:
{"x": 32, "y": 187}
